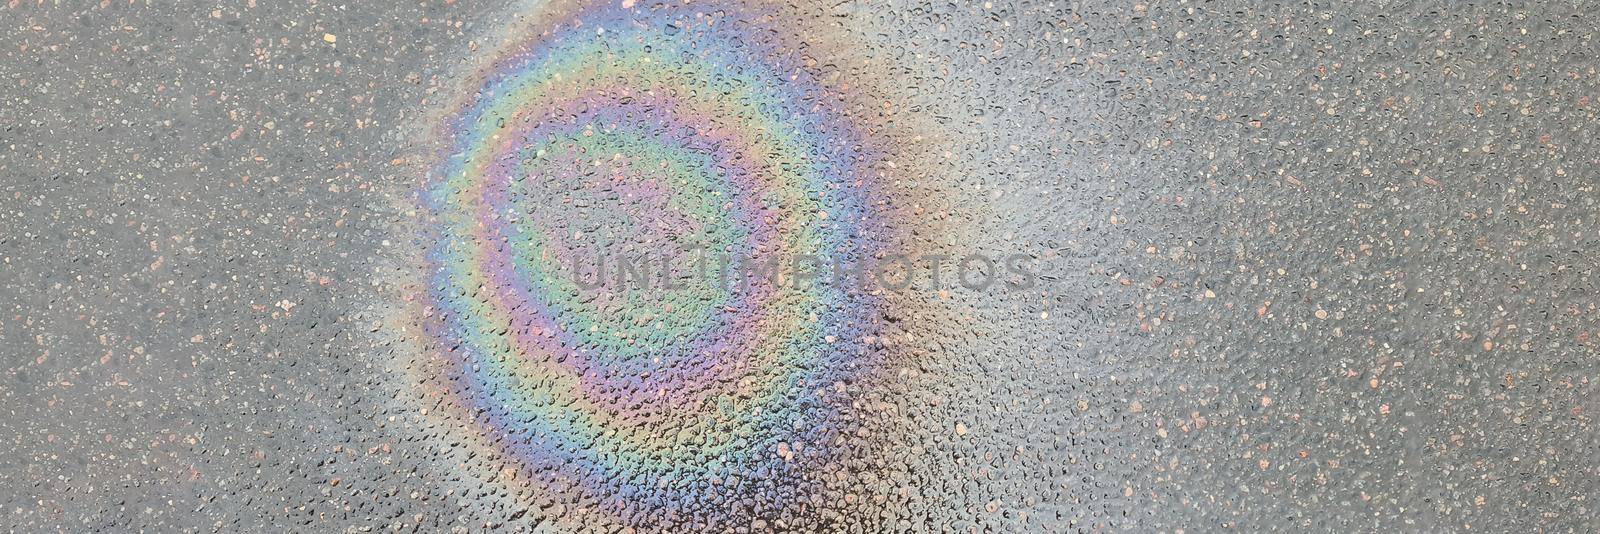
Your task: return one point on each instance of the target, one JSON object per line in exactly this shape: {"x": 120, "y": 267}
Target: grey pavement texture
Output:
{"x": 1304, "y": 266}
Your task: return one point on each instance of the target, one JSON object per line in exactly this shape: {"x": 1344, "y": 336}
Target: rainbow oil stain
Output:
{"x": 650, "y": 129}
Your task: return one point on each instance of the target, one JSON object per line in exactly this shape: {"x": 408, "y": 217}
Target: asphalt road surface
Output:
{"x": 851, "y": 266}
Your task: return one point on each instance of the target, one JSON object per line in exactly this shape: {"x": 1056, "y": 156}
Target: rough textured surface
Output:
{"x": 1302, "y": 267}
